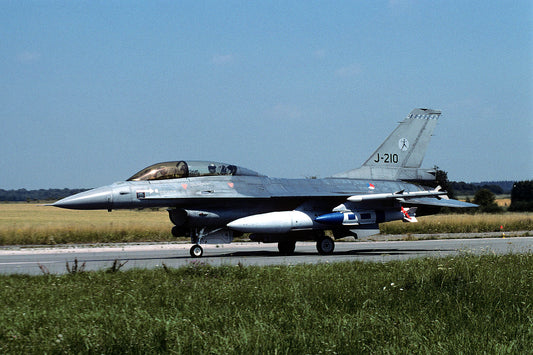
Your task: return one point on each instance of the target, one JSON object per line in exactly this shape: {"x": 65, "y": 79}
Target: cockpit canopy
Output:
{"x": 183, "y": 169}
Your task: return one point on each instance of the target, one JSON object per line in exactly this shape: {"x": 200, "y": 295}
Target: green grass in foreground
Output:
{"x": 466, "y": 304}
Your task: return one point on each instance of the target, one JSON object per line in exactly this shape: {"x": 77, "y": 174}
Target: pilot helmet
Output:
{"x": 212, "y": 168}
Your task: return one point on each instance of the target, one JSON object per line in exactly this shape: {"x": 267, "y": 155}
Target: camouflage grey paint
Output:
{"x": 212, "y": 208}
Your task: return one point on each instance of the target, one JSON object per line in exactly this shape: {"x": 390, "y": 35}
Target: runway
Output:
{"x": 39, "y": 260}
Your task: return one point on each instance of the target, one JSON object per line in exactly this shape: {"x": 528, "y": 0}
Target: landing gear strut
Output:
{"x": 196, "y": 250}
{"x": 207, "y": 235}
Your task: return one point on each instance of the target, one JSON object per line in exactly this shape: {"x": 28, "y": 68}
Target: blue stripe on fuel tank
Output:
{"x": 330, "y": 218}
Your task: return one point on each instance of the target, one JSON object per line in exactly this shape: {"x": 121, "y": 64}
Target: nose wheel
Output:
{"x": 196, "y": 251}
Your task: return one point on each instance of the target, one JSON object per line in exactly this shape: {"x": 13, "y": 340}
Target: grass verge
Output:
{"x": 466, "y": 304}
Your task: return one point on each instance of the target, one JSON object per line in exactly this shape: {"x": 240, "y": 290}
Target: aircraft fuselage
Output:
{"x": 259, "y": 193}
{"x": 212, "y": 202}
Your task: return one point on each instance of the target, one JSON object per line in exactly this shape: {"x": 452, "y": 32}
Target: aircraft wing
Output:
{"x": 427, "y": 198}
{"x": 430, "y": 201}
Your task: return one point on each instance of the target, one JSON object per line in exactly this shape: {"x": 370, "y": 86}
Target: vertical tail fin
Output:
{"x": 406, "y": 146}
{"x": 401, "y": 154}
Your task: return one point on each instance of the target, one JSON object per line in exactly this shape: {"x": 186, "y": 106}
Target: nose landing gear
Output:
{"x": 196, "y": 251}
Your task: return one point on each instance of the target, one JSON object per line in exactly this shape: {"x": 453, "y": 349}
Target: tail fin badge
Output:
{"x": 403, "y": 144}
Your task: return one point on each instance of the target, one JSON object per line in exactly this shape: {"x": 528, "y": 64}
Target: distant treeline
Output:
{"x": 469, "y": 189}
{"x": 36, "y": 195}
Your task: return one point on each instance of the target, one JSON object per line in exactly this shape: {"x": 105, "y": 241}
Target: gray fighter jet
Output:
{"x": 213, "y": 202}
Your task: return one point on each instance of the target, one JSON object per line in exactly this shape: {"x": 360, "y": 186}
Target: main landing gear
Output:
{"x": 286, "y": 247}
{"x": 325, "y": 245}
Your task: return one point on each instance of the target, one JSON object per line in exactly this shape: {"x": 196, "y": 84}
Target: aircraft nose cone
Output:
{"x": 96, "y": 199}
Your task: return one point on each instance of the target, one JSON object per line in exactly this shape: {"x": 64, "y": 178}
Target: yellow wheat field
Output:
{"x": 463, "y": 223}
{"x": 26, "y": 223}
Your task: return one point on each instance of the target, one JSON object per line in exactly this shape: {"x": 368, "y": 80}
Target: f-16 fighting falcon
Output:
{"x": 213, "y": 202}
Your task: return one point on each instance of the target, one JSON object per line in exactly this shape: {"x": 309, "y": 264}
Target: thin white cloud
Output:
{"x": 348, "y": 71}
{"x": 285, "y": 112}
{"x": 397, "y": 3}
{"x": 27, "y": 56}
{"x": 223, "y": 59}
{"x": 320, "y": 53}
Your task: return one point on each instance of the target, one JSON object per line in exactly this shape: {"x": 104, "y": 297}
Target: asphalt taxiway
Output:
{"x": 39, "y": 260}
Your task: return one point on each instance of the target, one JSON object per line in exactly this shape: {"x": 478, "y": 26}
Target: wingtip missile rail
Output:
{"x": 396, "y": 195}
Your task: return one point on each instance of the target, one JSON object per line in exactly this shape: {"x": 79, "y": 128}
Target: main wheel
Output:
{"x": 196, "y": 251}
{"x": 325, "y": 246}
{"x": 286, "y": 247}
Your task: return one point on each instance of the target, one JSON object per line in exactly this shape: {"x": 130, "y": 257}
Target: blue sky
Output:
{"x": 93, "y": 91}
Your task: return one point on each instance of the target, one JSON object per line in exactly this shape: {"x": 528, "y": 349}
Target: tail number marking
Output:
{"x": 387, "y": 158}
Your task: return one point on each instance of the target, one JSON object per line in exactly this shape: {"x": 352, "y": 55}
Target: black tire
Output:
{"x": 286, "y": 247}
{"x": 325, "y": 246}
{"x": 196, "y": 251}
